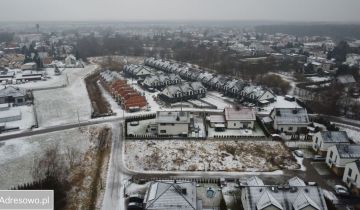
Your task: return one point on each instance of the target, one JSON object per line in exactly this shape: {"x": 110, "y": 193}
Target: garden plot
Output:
{"x": 17, "y": 156}
{"x": 65, "y": 105}
{"x": 183, "y": 155}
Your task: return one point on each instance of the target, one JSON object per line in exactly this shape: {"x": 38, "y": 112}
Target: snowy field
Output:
{"x": 182, "y": 155}
{"x": 17, "y": 156}
{"x": 65, "y": 105}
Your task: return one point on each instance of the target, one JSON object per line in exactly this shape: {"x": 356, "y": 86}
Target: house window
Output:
{"x": 234, "y": 124}
{"x": 290, "y": 128}
{"x": 356, "y": 178}
{"x": 331, "y": 154}
{"x": 349, "y": 172}
{"x": 162, "y": 131}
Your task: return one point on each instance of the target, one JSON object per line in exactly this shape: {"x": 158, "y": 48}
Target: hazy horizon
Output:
{"x": 180, "y": 10}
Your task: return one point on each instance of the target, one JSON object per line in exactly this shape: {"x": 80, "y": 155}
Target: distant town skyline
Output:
{"x": 180, "y": 10}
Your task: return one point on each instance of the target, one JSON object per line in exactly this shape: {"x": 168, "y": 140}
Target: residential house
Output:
{"x": 352, "y": 176}
{"x": 159, "y": 81}
{"x": 240, "y": 118}
{"x": 255, "y": 195}
{"x": 257, "y": 94}
{"x": 173, "y": 123}
{"x": 137, "y": 71}
{"x": 182, "y": 92}
{"x": 172, "y": 195}
{"x": 290, "y": 120}
{"x": 322, "y": 140}
{"x": 16, "y": 95}
{"x": 29, "y": 66}
{"x": 339, "y": 155}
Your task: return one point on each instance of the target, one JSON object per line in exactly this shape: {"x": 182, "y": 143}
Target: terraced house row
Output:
{"x": 123, "y": 93}
{"x": 236, "y": 88}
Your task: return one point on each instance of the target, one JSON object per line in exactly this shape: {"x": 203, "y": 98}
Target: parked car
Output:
{"x": 134, "y": 123}
{"x": 341, "y": 190}
{"x": 318, "y": 158}
{"x": 299, "y": 153}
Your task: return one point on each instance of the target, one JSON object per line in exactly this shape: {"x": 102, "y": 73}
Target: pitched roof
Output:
{"x": 335, "y": 136}
{"x": 296, "y": 181}
{"x": 266, "y": 200}
{"x": 166, "y": 195}
{"x": 348, "y": 151}
{"x": 12, "y": 91}
{"x": 303, "y": 201}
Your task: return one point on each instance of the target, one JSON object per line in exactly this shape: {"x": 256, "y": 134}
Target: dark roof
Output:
{"x": 348, "y": 151}
{"x": 335, "y": 136}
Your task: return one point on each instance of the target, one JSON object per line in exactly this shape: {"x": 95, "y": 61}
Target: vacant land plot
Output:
{"x": 65, "y": 105}
{"x": 171, "y": 155}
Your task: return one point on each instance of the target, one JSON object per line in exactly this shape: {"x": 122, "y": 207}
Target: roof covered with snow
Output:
{"x": 169, "y": 195}
{"x": 259, "y": 197}
{"x": 335, "y": 136}
{"x": 243, "y": 113}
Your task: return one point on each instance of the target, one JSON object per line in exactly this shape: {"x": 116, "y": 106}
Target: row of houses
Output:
{"x": 183, "y": 91}
{"x": 342, "y": 156}
{"x": 232, "y": 87}
{"x": 123, "y": 93}
{"x": 255, "y": 195}
{"x": 137, "y": 71}
{"x": 160, "y": 81}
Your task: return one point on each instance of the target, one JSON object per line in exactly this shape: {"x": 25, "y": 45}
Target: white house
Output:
{"x": 173, "y": 123}
{"x": 172, "y": 195}
{"x": 352, "y": 176}
{"x": 324, "y": 139}
{"x": 29, "y": 66}
{"x": 237, "y": 118}
{"x": 339, "y": 155}
{"x": 255, "y": 195}
{"x": 290, "y": 120}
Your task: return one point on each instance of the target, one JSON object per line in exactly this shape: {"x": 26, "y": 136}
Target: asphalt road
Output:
{"x": 58, "y": 128}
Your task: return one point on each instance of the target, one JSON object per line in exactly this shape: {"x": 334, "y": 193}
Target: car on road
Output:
{"x": 134, "y": 123}
{"x": 341, "y": 190}
{"x": 318, "y": 158}
{"x": 299, "y": 153}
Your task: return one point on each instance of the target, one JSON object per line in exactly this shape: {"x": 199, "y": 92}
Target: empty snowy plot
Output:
{"x": 183, "y": 155}
{"x": 17, "y": 156}
{"x": 65, "y": 105}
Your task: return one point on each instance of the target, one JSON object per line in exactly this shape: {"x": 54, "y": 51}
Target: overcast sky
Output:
{"x": 142, "y": 10}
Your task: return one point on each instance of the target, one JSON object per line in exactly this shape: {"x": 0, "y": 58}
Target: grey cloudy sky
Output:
{"x": 139, "y": 10}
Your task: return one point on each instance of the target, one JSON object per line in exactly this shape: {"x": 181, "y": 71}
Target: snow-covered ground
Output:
{"x": 27, "y": 118}
{"x": 65, "y": 105}
{"x": 183, "y": 155}
{"x": 17, "y": 155}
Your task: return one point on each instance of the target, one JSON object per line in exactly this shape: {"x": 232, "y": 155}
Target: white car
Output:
{"x": 341, "y": 190}
{"x": 299, "y": 153}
